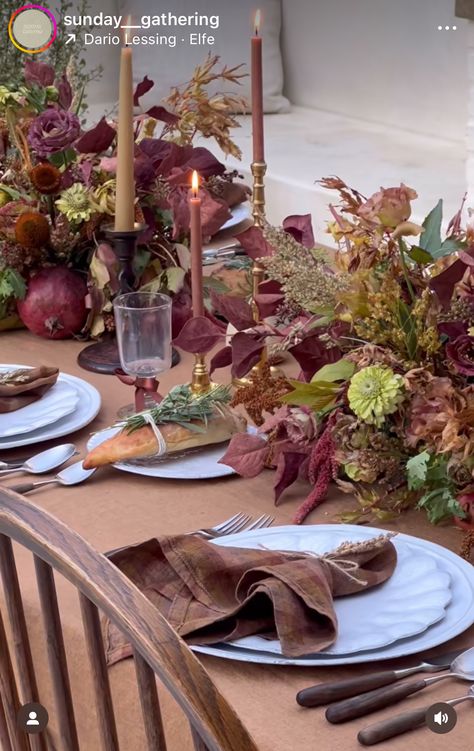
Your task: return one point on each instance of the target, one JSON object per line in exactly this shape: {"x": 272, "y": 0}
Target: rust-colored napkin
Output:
{"x": 18, "y": 388}
{"x": 211, "y": 593}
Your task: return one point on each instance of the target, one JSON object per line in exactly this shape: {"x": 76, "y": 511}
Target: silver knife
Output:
{"x": 326, "y": 693}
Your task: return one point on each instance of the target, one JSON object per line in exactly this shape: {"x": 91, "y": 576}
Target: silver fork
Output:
{"x": 228, "y": 527}
{"x": 235, "y": 524}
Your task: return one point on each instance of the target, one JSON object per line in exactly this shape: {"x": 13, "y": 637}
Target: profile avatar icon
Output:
{"x": 32, "y": 719}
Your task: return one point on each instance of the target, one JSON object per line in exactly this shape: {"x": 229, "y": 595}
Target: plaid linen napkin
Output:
{"x": 18, "y": 388}
{"x": 210, "y": 593}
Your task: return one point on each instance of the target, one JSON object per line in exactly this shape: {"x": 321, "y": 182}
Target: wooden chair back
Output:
{"x": 157, "y": 649}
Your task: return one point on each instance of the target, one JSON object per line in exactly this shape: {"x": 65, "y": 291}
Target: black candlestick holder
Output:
{"x": 103, "y": 357}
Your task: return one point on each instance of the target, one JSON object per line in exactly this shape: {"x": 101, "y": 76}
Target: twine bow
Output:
{"x": 143, "y": 387}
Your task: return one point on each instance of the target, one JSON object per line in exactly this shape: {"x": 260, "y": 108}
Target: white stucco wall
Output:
{"x": 380, "y": 60}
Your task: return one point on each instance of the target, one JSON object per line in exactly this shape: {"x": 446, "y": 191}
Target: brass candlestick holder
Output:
{"x": 258, "y": 272}
{"x": 258, "y": 212}
{"x": 200, "y": 382}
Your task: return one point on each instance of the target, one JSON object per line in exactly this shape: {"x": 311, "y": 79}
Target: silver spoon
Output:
{"x": 72, "y": 475}
{"x": 403, "y": 722}
{"x": 461, "y": 667}
{"x": 45, "y": 461}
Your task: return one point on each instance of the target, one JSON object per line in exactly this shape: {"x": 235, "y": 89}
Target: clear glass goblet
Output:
{"x": 143, "y": 328}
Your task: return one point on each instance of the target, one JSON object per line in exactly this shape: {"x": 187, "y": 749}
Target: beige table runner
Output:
{"x": 117, "y": 508}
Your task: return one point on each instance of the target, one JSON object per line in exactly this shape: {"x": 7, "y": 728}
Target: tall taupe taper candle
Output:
{"x": 125, "y": 194}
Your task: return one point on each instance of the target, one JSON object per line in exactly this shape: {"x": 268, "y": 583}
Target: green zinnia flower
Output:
{"x": 74, "y": 202}
{"x": 375, "y": 392}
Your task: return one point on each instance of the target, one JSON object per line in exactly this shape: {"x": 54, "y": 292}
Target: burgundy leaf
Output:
{"x": 204, "y": 162}
{"x": 65, "y": 92}
{"x": 160, "y": 113}
{"x": 287, "y": 471}
{"x": 97, "y": 139}
{"x": 311, "y": 354}
{"x": 453, "y": 329}
{"x": 143, "y": 169}
{"x": 246, "y": 454}
{"x": 234, "y": 309}
{"x": 246, "y": 352}
{"x": 38, "y": 74}
{"x": 254, "y": 243}
{"x": 221, "y": 359}
{"x": 269, "y": 298}
{"x": 198, "y": 335}
{"x": 106, "y": 254}
{"x": 141, "y": 89}
{"x": 443, "y": 284}
{"x": 300, "y": 227}
{"x": 181, "y": 309}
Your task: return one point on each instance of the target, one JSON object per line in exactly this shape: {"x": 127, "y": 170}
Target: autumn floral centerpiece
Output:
{"x": 383, "y": 333}
{"x": 57, "y": 193}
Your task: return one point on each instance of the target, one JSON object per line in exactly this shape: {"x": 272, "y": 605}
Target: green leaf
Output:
{"x": 174, "y": 278}
{"x": 447, "y": 247}
{"x": 211, "y": 283}
{"x": 14, "y": 194}
{"x": 315, "y": 395}
{"x": 417, "y": 470}
{"x": 420, "y": 256}
{"x": 12, "y": 284}
{"x": 440, "y": 504}
{"x": 430, "y": 239}
{"x": 341, "y": 370}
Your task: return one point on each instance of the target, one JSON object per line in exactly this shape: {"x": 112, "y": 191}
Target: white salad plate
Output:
{"x": 196, "y": 464}
{"x": 240, "y": 213}
{"x": 433, "y": 590}
{"x": 87, "y": 407}
{"x": 59, "y": 401}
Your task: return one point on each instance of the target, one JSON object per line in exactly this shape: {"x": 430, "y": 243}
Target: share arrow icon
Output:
{"x": 71, "y": 38}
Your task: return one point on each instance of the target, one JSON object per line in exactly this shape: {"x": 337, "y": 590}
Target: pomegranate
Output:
{"x": 54, "y": 306}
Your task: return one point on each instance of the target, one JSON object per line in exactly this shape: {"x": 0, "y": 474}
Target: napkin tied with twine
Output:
{"x": 210, "y": 593}
{"x": 18, "y": 388}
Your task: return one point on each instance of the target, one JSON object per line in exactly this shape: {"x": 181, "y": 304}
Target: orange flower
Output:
{"x": 46, "y": 178}
{"x": 31, "y": 230}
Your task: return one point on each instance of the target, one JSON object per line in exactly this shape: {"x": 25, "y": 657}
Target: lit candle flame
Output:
{"x": 127, "y": 21}
{"x": 257, "y": 21}
{"x": 195, "y": 183}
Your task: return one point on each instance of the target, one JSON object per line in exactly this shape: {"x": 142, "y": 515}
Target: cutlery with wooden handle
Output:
{"x": 461, "y": 667}
{"x": 325, "y": 693}
{"x": 401, "y": 723}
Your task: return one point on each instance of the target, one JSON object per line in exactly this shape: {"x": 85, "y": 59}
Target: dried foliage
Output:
{"x": 212, "y": 115}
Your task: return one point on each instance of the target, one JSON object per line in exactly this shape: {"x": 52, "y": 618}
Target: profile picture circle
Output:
{"x": 32, "y": 29}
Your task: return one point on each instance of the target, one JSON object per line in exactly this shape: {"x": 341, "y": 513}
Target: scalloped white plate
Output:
{"x": 58, "y": 402}
{"x": 86, "y": 409}
{"x": 428, "y": 600}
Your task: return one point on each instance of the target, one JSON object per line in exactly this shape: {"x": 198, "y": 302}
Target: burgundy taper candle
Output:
{"x": 196, "y": 248}
{"x": 257, "y": 93}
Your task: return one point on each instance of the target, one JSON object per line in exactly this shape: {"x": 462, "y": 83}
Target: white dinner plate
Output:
{"x": 458, "y": 615}
{"x": 87, "y": 407}
{"x": 240, "y": 213}
{"x": 60, "y": 400}
{"x": 198, "y": 464}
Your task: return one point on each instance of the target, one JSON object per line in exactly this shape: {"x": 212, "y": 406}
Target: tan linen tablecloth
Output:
{"x": 116, "y": 508}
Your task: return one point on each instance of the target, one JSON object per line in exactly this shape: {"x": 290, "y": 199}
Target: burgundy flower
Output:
{"x": 461, "y": 354}
{"x": 52, "y": 131}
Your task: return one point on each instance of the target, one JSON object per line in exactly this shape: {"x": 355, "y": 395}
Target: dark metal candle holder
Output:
{"x": 103, "y": 357}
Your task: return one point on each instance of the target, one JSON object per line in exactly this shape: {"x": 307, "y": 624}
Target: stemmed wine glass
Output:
{"x": 143, "y": 327}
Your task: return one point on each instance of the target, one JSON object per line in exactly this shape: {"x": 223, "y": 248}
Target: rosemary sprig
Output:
{"x": 181, "y": 406}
